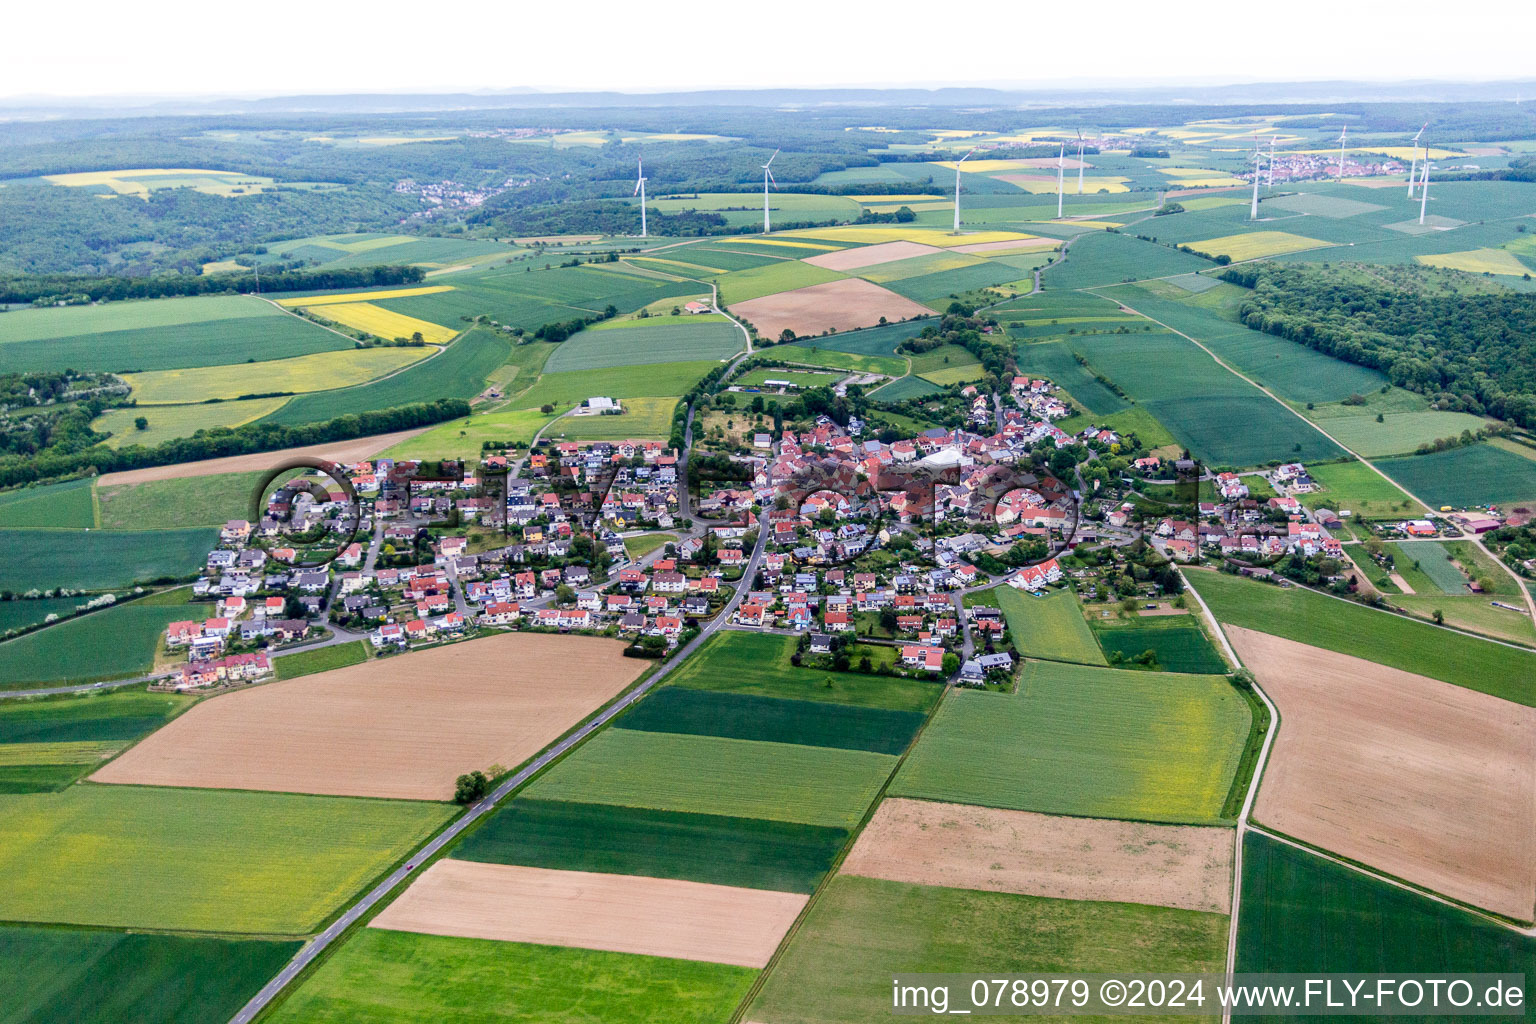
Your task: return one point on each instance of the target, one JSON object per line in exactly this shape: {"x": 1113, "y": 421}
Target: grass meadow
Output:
{"x": 321, "y": 659}
{"x": 168, "y": 422}
{"x": 708, "y": 774}
{"x": 299, "y": 857}
{"x": 643, "y": 418}
{"x": 750, "y": 852}
{"x": 658, "y": 380}
{"x": 1177, "y": 641}
{"x": 837, "y": 966}
{"x": 1353, "y": 629}
{"x": 1051, "y": 627}
{"x": 1092, "y": 742}
{"x": 101, "y": 977}
{"x": 1357, "y": 487}
{"x": 180, "y": 501}
{"x": 409, "y": 978}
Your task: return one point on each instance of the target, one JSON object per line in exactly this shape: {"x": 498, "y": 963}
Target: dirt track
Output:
{"x": 836, "y": 305}
{"x": 337, "y": 451}
{"x": 966, "y": 847}
{"x": 406, "y": 727}
{"x": 622, "y": 913}
{"x": 1424, "y": 780}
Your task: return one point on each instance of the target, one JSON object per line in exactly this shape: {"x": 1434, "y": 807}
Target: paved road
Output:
{"x": 364, "y": 905}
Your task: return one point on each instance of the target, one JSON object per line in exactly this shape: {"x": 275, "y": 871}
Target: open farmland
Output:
{"x": 99, "y": 559}
{"x": 1430, "y": 782}
{"x": 49, "y": 505}
{"x": 46, "y": 745}
{"x": 1054, "y": 360}
{"x": 657, "y": 380}
{"x": 1477, "y": 474}
{"x": 300, "y": 857}
{"x": 639, "y": 341}
{"x": 1361, "y": 632}
{"x": 871, "y": 255}
{"x": 1092, "y": 742}
{"x": 411, "y": 978}
{"x": 320, "y": 372}
{"x": 967, "y": 847}
{"x": 758, "y": 663}
{"x": 403, "y": 728}
{"x": 354, "y": 450}
{"x": 769, "y": 279}
{"x": 182, "y": 501}
{"x": 157, "y": 334}
{"x": 708, "y": 774}
{"x": 676, "y": 709}
{"x": 1104, "y": 258}
{"x": 618, "y": 913}
{"x": 113, "y": 643}
{"x": 642, "y": 419}
{"x": 382, "y": 323}
{"x": 1303, "y": 913}
{"x": 835, "y": 306}
{"x": 1176, "y": 640}
{"x": 1252, "y": 245}
{"x": 101, "y": 977}
{"x": 168, "y": 422}
{"x": 1051, "y": 627}
{"x": 1357, "y": 487}
{"x": 465, "y": 439}
{"x": 1398, "y": 433}
{"x": 837, "y": 967}
{"x": 750, "y": 852}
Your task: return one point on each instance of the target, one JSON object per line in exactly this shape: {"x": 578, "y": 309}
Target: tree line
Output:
{"x": 70, "y": 288}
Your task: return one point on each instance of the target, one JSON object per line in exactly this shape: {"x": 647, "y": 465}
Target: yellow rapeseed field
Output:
{"x": 393, "y": 293}
{"x": 1478, "y": 261}
{"x": 318, "y": 372}
{"x": 384, "y": 323}
{"x": 1252, "y": 245}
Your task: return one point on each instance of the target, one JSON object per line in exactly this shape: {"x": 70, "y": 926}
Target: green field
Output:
{"x": 17, "y": 613}
{"x": 199, "y": 860}
{"x": 945, "y": 357}
{"x": 707, "y": 774}
{"x": 157, "y": 334}
{"x": 771, "y": 279}
{"x": 811, "y": 353}
{"x": 1054, "y": 361}
{"x": 1092, "y": 742}
{"x": 168, "y": 422}
{"x": 758, "y": 664}
{"x": 1478, "y": 474}
{"x": 321, "y": 659}
{"x": 1304, "y": 914}
{"x": 643, "y": 418}
{"x": 678, "y": 709}
{"x": 99, "y": 559}
{"x": 47, "y": 744}
{"x": 1353, "y": 629}
{"x": 903, "y": 388}
{"x": 1358, "y": 488}
{"x": 1433, "y": 563}
{"x": 464, "y": 439}
{"x": 800, "y": 378}
{"x": 179, "y": 501}
{"x": 936, "y": 290}
{"x": 1049, "y": 627}
{"x": 112, "y": 643}
{"x": 749, "y": 852}
{"x": 51, "y": 505}
{"x": 638, "y": 342}
{"x": 639, "y": 547}
{"x": 1101, "y": 258}
{"x": 1398, "y": 433}
{"x": 103, "y": 977}
{"x": 659, "y": 380}
{"x": 837, "y": 968}
{"x": 459, "y": 371}
{"x": 1177, "y": 640}
{"x": 408, "y": 978}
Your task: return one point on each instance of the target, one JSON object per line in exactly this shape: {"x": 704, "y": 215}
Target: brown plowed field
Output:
{"x": 835, "y": 306}
{"x": 404, "y": 727}
{"x": 344, "y": 452}
{"x": 966, "y": 847}
{"x": 621, "y": 913}
{"x": 1430, "y": 782}
{"x": 871, "y": 255}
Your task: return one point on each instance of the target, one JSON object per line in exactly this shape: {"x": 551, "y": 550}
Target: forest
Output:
{"x": 1467, "y": 353}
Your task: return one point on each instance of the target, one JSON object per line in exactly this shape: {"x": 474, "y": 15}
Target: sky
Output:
{"x": 282, "y": 47}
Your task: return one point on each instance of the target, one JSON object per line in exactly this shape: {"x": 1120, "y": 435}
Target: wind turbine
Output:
{"x": 1271, "y": 182}
{"x": 1080, "y": 164}
{"x": 640, "y": 191}
{"x": 1424, "y": 187}
{"x": 1061, "y": 170}
{"x": 767, "y": 177}
{"x": 957, "y": 188}
{"x": 1258, "y": 154}
{"x": 1413, "y": 171}
{"x": 1343, "y": 136}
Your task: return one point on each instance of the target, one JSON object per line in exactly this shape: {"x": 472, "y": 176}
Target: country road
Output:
{"x": 320, "y": 943}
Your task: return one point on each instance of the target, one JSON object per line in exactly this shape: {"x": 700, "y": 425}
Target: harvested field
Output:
{"x": 354, "y": 450}
{"x": 620, "y": 913}
{"x": 967, "y": 847}
{"x": 833, "y": 306}
{"x": 402, "y": 728}
{"x": 1430, "y": 782}
{"x": 871, "y": 255}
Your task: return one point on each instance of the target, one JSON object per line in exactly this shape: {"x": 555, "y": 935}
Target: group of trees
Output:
{"x": 42, "y": 287}
{"x": 1472, "y": 353}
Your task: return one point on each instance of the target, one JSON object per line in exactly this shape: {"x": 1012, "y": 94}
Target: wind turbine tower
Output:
{"x": 1271, "y": 182}
{"x": 957, "y": 188}
{"x": 1343, "y": 136}
{"x": 768, "y": 177}
{"x": 640, "y": 191}
{"x": 1080, "y": 164}
{"x": 1413, "y": 170}
{"x": 1258, "y": 154}
{"x": 1061, "y": 170}
{"x": 1424, "y": 188}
